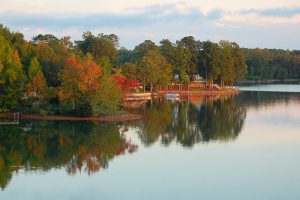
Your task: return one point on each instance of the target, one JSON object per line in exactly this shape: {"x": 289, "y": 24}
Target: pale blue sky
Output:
{"x": 255, "y": 23}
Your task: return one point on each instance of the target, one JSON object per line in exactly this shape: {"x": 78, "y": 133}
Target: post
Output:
{"x": 206, "y": 73}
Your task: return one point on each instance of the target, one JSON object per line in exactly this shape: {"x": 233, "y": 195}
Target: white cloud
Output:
{"x": 116, "y": 6}
{"x": 136, "y": 20}
{"x": 262, "y": 21}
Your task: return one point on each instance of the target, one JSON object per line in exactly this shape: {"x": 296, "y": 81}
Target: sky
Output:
{"x": 250, "y": 23}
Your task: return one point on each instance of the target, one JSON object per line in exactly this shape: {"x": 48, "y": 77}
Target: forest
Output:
{"x": 58, "y": 76}
{"x": 272, "y": 64}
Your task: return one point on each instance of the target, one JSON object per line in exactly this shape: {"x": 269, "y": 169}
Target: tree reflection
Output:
{"x": 79, "y": 147}
{"x": 89, "y": 147}
{"x": 258, "y": 99}
{"x": 221, "y": 120}
{"x": 155, "y": 122}
{"x": 192, "y": 121}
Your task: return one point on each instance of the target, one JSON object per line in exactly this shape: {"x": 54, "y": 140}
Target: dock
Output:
{"x": 138, "y": 97}
{"x": 14, "y": 121}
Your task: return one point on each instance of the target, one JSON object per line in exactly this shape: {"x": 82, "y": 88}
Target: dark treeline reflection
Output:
{"x": 77, "y": 147}
{"x": 192, "y": 121}
{"x": 258, "y": 99}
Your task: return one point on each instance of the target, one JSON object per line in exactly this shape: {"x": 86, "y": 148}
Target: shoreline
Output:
{"x": 121, "y": 117}
{"x": 136, "y": 97}
{"x": 270, "y": 81}
{"x": 110, "y": 118}
{"x": 200, "y": 92}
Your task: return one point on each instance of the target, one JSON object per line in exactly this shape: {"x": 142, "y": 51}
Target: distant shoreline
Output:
{"x": 239, "y": 83}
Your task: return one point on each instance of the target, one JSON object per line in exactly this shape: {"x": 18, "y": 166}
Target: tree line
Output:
{"x": 51, "y": 75}
{"x": 271, "y": 64}
{"x": 154, "y": 65}
{"x": 48, "y": 75}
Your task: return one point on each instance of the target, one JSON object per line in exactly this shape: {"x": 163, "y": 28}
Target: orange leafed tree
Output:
{"x": 90, "y": 73}
{"x": 79, "y": 77}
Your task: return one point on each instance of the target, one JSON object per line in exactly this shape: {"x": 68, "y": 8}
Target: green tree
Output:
{"x": 129, "y": 70}
{"x": 107, "y": 99}
{"x": 184, "y": 77}
{"x": 105, "y": 66}
{"x": 140, "y": 50}
{"x": 37, "y": 82}
{"x": 240, "y": 66}
{"x": 194, "y": 48}
{"x": 227, "y": 71}
{"x": 168, "y": 50}
{"x": 52, "y": 57}
{"x": 99, "y": 46}
{"x": 125, "y": 56}
{"x": 11, "y": 77}
{"x": 154, "y": 69}
{"x": 182, "y": 58}
{"x": 211, "y": 61}
{"x": 48, "y": 39}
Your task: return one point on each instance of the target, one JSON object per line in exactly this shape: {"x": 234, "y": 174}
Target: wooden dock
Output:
{"x": 185, "y": 93}
{"x": 138, "y": 97}
{"x": 9, "y": 123}
{"x": 14, "y": 121}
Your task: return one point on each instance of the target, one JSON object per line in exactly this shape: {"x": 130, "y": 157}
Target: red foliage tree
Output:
{"x": 126, "y": 84}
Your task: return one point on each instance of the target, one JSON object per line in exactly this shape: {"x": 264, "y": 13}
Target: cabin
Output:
{"x": 195, "y": 85}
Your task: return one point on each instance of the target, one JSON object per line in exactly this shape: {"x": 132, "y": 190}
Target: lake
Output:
{"x": 245, "y": 146}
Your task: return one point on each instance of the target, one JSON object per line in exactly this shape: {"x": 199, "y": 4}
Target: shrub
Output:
{"x": 107, "y": 99}
{"x": 81, "y": 108}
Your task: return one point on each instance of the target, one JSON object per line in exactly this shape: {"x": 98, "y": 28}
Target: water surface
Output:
{"x": 245, "y": 146}
{"x": 272, "y": 88}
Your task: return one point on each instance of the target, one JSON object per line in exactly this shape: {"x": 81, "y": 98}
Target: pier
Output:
{"x": 14, "y": 121}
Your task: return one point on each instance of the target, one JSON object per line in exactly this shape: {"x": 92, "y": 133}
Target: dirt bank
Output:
{"x": 111, "y": 118}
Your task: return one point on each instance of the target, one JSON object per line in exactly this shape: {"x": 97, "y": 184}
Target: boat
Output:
{"x": 172, "y": 96}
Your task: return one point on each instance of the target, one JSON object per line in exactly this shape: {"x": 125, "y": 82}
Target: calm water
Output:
{"x": 241, "y": 147}
{"x": 273, "y": 88}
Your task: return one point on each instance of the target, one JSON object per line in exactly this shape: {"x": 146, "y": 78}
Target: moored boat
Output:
{"x": 172, "y": 96}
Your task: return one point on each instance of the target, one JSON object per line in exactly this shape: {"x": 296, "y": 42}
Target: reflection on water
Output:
{"x": 214, "y": 124}
{"x": 88, "y": 147}
{"x": 191, "y": 121}
{"x": 259, "y": 99}
{"x": 272, "y": 88}
{"x": 78, "y": 147}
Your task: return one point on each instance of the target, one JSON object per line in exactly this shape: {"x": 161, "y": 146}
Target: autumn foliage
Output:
{"x": 37, "y": 82}
{"x": 79, "y": 77}
{"x": 126, "y": 84}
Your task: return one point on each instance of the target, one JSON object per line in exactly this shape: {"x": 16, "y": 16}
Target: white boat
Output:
{"x": 172, "y": 96}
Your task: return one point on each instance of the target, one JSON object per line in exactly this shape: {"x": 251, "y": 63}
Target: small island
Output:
{"x": 94, "y": 79}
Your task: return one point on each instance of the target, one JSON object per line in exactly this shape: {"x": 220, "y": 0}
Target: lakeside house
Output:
{"x": 197, "y": 84}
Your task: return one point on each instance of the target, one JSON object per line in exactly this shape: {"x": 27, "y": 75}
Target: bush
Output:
{"x": 43, "y": 112}
{"x": 108, "y": 97}
{"x": 81, "y": 108}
